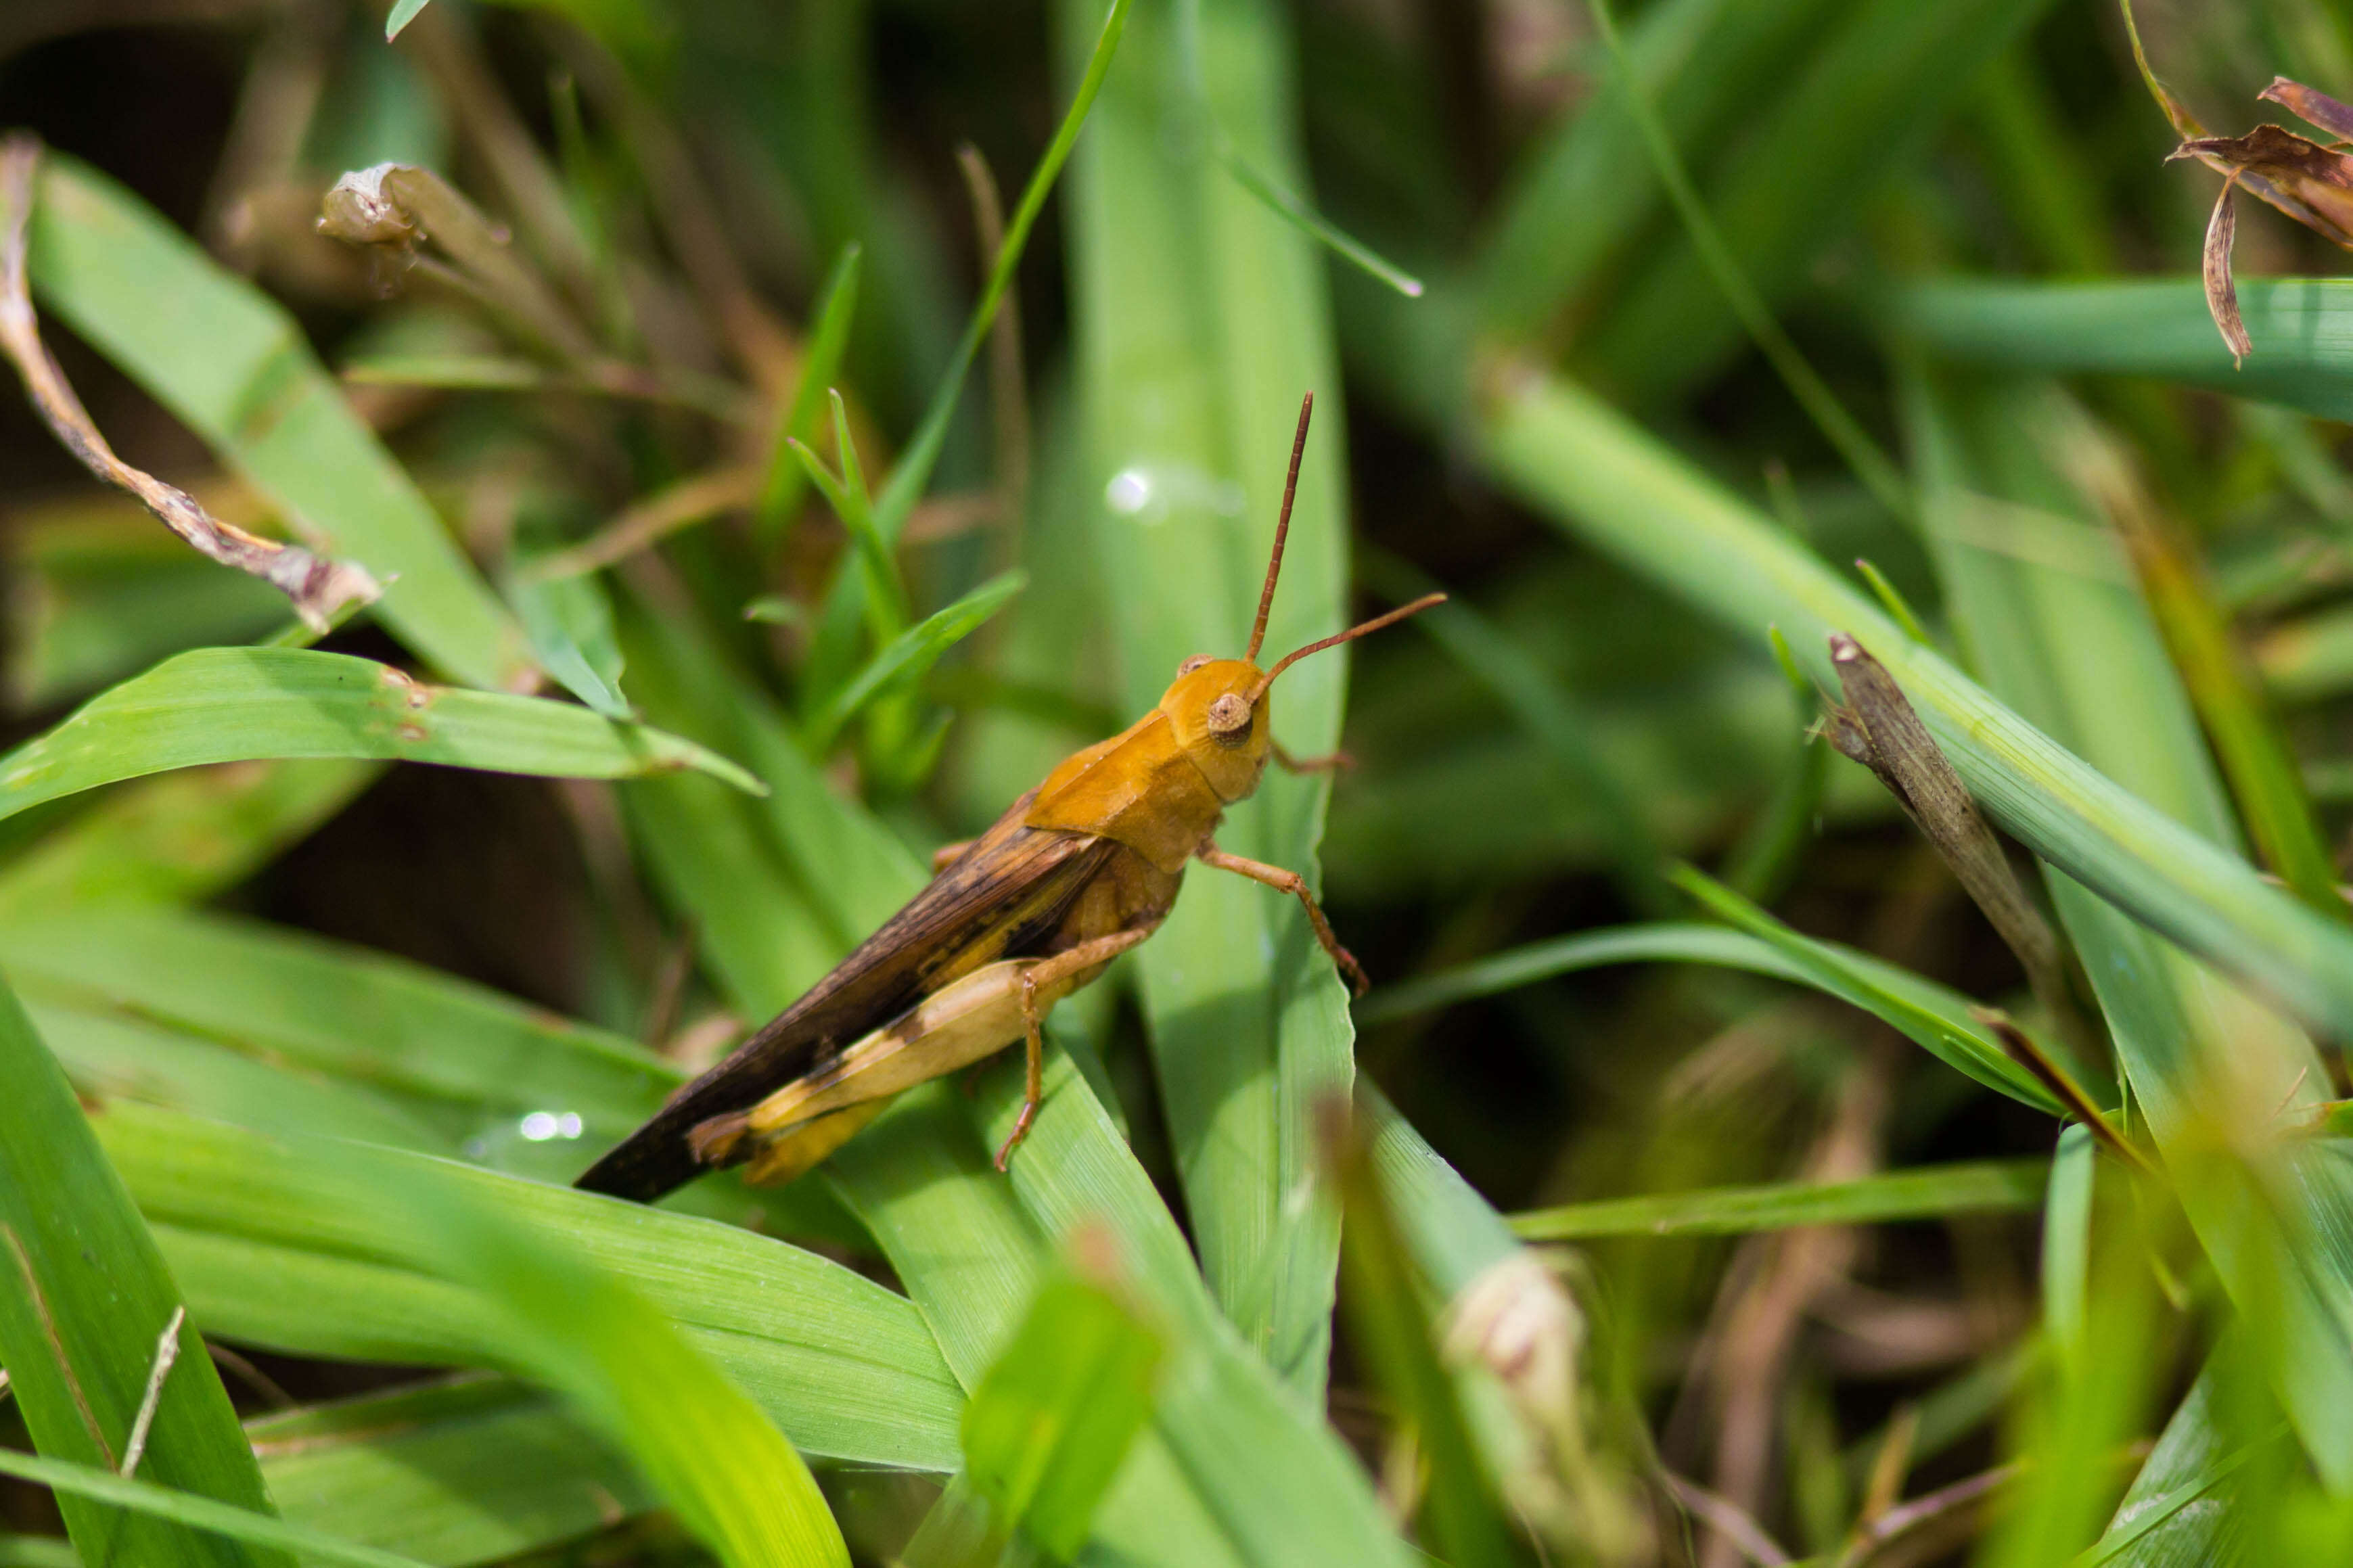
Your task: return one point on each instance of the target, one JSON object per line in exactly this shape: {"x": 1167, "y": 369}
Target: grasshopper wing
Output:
{"x": 1004, "y": 898}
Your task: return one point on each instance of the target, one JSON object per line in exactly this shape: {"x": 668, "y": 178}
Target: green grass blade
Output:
{"x": 1050, "y": 1424}
{"x": 1551, "y": 717}
{"x": 1297, "y": 211}
{"x": 179, "y": 838}
{"x": 2002, "y": 1187}
{"x": 1937, "y": 1018}
{"x": 1931, "y": 1016}
{"x": 234, "y": 368}
{"x": 1598, "y": 475}
{"x": 306, "y": 1244}
{"x": 84, "y": 1299}
{"x": 732, "y": 1478}
{"x": 269, "y": 1539}
{"x": 473, "y": 1469}
{"x": 836, "y": 307}
{"x": 2185, "y": 1508}
{"x": 906, "y": 657}
{"x": 226, "y": 705}
{"x": 830, "y": 659}
{"x": 570, "y": 623}
{"x": 2053, "y": 641}
{"x": 1862, "y": 454}
{"x": 1462, "y": 1518}
{"x": 110, "y": 1055}
{"x": 1871, "y": 86}
{"x": 403, "y": 12}
{"x": 328, "y": 1010}
{"x": 1589, "y": 188}
{"x": 2100, "y": 1366}
{"x": 37, "y": 1551}
{"x": 1202, "y": 318}
{"x": 913, "y": 474}
{"x": 2302, "y": 329}
{"x": 106, "y": 593}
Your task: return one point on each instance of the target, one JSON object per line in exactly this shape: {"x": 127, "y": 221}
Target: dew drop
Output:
{"x": 1129, "y": 492}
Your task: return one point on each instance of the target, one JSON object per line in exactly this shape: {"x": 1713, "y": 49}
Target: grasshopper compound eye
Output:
{"x": 1229, "y": 714}
{"x": 1195, "y": 662}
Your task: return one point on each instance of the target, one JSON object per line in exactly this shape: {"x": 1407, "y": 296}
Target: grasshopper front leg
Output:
{"x": 1290, "y": 882}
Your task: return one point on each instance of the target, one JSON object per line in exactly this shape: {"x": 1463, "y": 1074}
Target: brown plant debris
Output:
{"x": 318, "y": 584}
{"x": 1878, "y": 727}
{"x": 2311, "y": 183}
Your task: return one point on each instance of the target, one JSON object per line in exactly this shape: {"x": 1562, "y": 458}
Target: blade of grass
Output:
{"x": 2208, "y": 1070}
{"x": 2254, "y": 754}
{"x": 570, "y": 623}
{"x": 83, "y": 1295}
{"x": 2181, "y": 1510}
{"x": 267, "y": 1538}
{"x": 885, "y": 596}
{"x": 912, "y": 475}
{"x": 105, "y": 592}
{"x": 234, "y": 367}
{"x": 222, "y": 705}
{"x": 2302, "y": 329}
{"x": 903, "y": 660}
{"x": 1592, "y": 471}
{"x": 1766, "y": 855}
{"x": 732, "y": 1478}
{"x": 1050, "y": 1424}
{"x": 836, "y": 307}
{"x": 179, "y": 838}
{"x": 1873, "y": 85}
{"x": 1589, "y": 188}
{"x": 1550, "y": 716}
{"x": 1200, "y": 318}
{"x": 110, "y": 1056}
{"x": 2101, "y": 1322}
{"x": 473, "y": 1469}
{"x": 2002, "y": 1186}
{"x": 1862, "y": 454}
{"x": 305, "y": 1244}
{"x": 1462, "y": 1518}
{"x": 331, "y": 1010}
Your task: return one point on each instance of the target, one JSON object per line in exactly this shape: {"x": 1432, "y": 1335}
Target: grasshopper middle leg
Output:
{"x": 1044, "y": 973}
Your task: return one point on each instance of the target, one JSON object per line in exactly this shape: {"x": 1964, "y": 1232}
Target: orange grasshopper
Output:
{"x": 1076, "y": 872}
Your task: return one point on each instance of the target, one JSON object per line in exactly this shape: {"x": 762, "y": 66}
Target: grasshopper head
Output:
{"x": 1218, "y": 706}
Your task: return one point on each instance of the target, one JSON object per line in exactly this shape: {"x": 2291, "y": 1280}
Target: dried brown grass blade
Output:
{"x": 2221, "y": 290}
{"x": 1879, "y": 728}
{"x": 2311, "y": 106}
{"x": 318, "y": 586}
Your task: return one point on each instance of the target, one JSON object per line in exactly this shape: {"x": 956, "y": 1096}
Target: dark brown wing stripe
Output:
{"x": 1002, "y": 897}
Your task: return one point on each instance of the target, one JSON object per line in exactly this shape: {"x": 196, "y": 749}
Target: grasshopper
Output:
{"x": 1076, "y": 872}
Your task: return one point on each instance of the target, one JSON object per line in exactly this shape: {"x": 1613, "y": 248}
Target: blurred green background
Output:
{"x": 1690, "y": 1215}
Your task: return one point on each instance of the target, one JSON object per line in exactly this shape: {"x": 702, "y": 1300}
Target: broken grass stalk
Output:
{"x": 1877, "y": 726}
{"x": 2047, "y": 1070}
{"x": 396, "y": 209}
{"x": 318, "y": 584}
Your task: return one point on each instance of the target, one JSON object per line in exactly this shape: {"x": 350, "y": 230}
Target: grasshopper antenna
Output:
{"x": 1282, "y": 531}
{"x": 1350, "y": 635}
